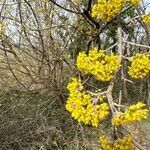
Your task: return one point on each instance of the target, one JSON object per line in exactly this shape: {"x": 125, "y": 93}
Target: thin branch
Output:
{"x": 110, "y": 98}
{"x": 127, "y": 80}
{"x": 58, "y": 5}
{"x": 139, "y": 146}
{"x": 138, "y": 45}
{"x": 109, "y": 48}
{"x": 119, "y": 105}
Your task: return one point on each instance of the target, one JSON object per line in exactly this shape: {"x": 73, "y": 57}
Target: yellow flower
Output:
{"x": 75, "y": 85}
{"x": 134, "y": 2}
{"x": 99, "y": 64}
{"x": 140, "y": 66}
{"x": 146, "y": 18}
{"x": 121, "y": 144}
{"x": 81, "y": 107}
{"x": 133, "y": 114}
{"x": 105, "y": 10}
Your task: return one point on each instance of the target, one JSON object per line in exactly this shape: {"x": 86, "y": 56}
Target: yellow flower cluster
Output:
{"x": 120, "y": 144}
{"x": 140, "y": 66}
{"x": 105, "y": 10}
{"x": 133, "y": 114}
{"x": 101, "y": 98}
{"x": 146, "y": 18}
{"x": 80, "y": 106}
{"x": 134, "y": 2}
{"x": 99, "y": 64}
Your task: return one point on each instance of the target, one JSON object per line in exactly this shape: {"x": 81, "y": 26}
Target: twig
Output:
{"x": 109, "y": 48}
{"x": 119, "y": 105}
{"x": 120, "y": 99}
{"x": 139, "y": 146}
{"x": 110, "y": 98}
{"x": 86, "y": 80}
{"x": 127, "y": 80}
{"x": 96, "y": 96}
{"x": 58, "y": 5}
{"x": 124, "y": 57}
{"x": 138, "y": 45}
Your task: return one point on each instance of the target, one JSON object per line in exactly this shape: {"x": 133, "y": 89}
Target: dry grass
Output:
{"x": 33, "y": 121}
